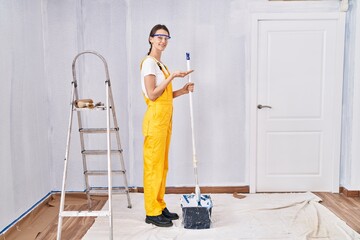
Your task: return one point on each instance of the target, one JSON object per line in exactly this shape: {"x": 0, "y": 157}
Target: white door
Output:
{"x": 298, "y": 103}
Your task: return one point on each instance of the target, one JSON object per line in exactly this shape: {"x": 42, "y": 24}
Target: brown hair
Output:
{"x": 153, "y": 31}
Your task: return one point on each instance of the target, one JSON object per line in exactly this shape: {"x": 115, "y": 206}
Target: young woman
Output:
{"x": 157, "y": 89}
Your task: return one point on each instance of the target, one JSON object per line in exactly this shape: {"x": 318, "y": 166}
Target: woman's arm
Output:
{"x": 154, "y": 91}
{"x": 188, "y": 87}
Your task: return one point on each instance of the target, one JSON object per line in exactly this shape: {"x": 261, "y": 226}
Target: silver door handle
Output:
{"x": 263, "y": 106}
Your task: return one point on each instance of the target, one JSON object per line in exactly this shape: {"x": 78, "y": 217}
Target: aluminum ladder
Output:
{"x": 109, "y": 108}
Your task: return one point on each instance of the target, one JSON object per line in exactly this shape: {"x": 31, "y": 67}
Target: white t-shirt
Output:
{"x": 150, "y": 67}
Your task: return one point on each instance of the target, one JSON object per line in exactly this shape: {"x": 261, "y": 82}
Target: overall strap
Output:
{"x": 164, "y": 71}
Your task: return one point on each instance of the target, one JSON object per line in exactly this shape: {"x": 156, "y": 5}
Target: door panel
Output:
{"x": 298, "y": 77}
{"x": 294, "y": 63}
{"x": 305, "y": 144}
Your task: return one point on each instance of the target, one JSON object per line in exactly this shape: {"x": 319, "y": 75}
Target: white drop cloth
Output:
{"x": 295, "y": 216}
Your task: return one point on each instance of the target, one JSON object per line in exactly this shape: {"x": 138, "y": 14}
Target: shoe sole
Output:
{"x": 173, "y": 218}
{"x": 159, "y": 225}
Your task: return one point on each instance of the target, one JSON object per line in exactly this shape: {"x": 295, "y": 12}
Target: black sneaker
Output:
{"x": 159, "y": 221}
{"x": 169, "y": 215}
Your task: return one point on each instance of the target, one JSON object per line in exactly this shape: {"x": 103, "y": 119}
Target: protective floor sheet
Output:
{"x": 258, "y": 216}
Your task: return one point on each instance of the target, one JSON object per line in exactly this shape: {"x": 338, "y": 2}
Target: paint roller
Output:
{"x": 196, "y": 207}
{"x": 87, "y": 103}
{"x": 84, "y": 103}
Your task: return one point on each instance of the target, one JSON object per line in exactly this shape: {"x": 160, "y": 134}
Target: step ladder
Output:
{"x": 109, "y": 109}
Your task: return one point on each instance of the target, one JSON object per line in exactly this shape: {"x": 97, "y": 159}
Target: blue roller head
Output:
{"x": 187, "y": 56}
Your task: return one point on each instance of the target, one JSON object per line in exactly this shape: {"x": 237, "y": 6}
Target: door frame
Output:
{"x": 251, "y": 110}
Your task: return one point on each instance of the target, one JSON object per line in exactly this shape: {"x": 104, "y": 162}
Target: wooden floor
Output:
{"x": 346, "y": 208}
{"x": 42, "y": 222}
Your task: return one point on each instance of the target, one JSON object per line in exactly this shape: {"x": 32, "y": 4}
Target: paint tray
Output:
{"x": 196, "y": 215}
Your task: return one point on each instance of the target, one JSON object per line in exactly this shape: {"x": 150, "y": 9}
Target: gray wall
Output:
{"x": 25, "y": 150}
{"x": 350, "y": 151}
{"x": 40, "y": 41}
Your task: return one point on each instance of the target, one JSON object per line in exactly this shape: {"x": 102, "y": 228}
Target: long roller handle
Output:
{"x": 197, "y": 188}
{"x": 191, "y": 112}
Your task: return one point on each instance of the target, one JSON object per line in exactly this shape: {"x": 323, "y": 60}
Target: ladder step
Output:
{"x": 103, "y": 172}
{"x": 100, "y": 108}
{"x": 100, "y": 152}
{"x": 104, "y": 190}
{"x": 84, "y": 213}
{"x": 97, "y": 130}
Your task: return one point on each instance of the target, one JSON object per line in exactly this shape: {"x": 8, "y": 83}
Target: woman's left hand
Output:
{"x": 188, "y": 87}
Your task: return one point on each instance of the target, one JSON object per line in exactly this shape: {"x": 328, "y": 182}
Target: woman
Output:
{"x": 157, "y": 88}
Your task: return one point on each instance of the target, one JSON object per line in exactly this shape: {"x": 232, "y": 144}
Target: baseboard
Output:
{"x": 219, "y": 189}
{"x": 349, "y": 193}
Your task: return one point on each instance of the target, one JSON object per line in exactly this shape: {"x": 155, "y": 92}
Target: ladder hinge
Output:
{"x": 75, "y": 83}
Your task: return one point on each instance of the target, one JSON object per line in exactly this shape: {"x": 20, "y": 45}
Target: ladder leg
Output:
{"x": 122, "y": 164}
{"x": 126, "y": 184}
{"x": 62, "y": 201}
{"x": 85, "y": 169}
{"x": 62, "y": 198}
{"x": 109, "y": 159}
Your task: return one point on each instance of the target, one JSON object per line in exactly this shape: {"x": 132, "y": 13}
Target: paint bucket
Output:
{"x": 196, "y": 215}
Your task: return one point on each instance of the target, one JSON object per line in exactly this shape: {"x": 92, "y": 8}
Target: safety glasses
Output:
{"x": 161, "y": 37}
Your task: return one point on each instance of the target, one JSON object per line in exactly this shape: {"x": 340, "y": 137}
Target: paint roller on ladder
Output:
{"x": 196, "y": 208}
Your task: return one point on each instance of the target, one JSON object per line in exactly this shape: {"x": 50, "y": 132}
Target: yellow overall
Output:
{"x": 157, "y": 126}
